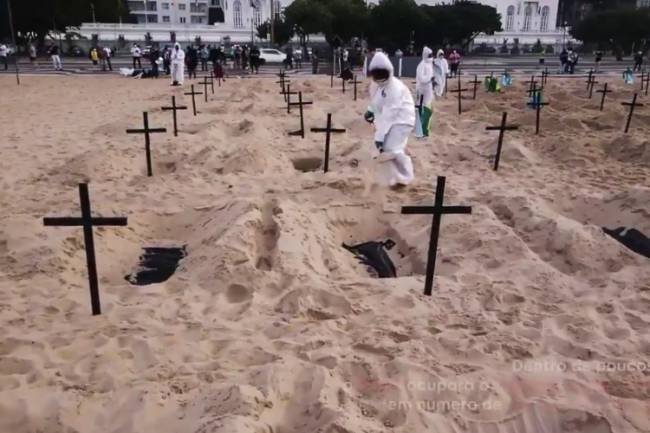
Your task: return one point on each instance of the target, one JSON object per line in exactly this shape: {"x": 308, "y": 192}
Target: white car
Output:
{"x": 270, "y": 55}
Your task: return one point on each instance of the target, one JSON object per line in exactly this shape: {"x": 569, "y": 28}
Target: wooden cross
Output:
{"x": 646, "y": 80}
{"x": 502, "y": 129}
{"x": 632, "y": 106}
{"x": 283, "y": 87}
{"x": 590, "y": 78}
{"x": 87, "y": 222}
{"x": 193, "y": 93}
{"x": 545, "y": 75}
{"x": 437, "y": 210}
{"x": 460, "y": 96}
{"x": 284, "y": 90}
{"x": 604, "y": 91}
{"x": 354, "y": 83}
{"x": 146, "y": 131}
{"x": 205, "y": 83}
{"x": 537, "y": 104}
{"x": 174, "y": 108}
{"x": 300, "y": 103}
{"x": 532, "y": 83}
{"x": 287, "y": 95}
{"x": 212, "y": 81}
{"x": 328, "y": 131}
{"x": 343, "y": 84}
{"x": 533, "y": 89}
{"x": 590, "y": 84}
{"x": 476, "y": 82}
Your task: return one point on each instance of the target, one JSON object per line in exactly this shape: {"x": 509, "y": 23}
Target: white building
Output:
{"x": 212, "y": 20}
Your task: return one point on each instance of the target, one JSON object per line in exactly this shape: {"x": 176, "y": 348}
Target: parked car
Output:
{"x": 271, "y": 55}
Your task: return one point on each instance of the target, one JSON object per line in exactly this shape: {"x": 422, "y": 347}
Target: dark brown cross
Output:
{"x": 283, "y": 88}
{"x": 205, "y": 83}
{"x": 532, "y": 83}
{"x": 174, "y": 108}
{"x": 343, "y": 85}
{"x": 537, "y": 104}
{"x": 193, "y": 93}
{"x": 590, "y": 78}
{"x": 604, "y": 91}
{"x": 286, "y": 88}
{"x": 534, "y": 89}
{"x": 287, "y": 95}
{"x": 87, "y": 222}
{"x": 476, "y": 83}
{"x": 502, "y": 129}
{"x": 437, "y": 210}
{"x": 300, "y": 103}
{"x": 147, "y": 140}
{"x": 591, "y": 81}
{"x": 646, "y": 80}
{"x": 355, "y": 83}
{"x": 632, "y": 106}
{"x": 328, "y": 130}
{"x": 545, "y": 75}
{"x": 460, "y": 91}
{"x": 212, "y": 81}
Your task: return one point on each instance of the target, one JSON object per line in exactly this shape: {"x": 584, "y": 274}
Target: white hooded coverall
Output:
{"x": 440, "y": 71}
{"x": 394, "y": 117}
{"x": 178, "y": 64}
{"x": 424, "y": 92}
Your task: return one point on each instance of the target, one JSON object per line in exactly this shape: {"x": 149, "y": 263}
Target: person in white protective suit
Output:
{"x": 440, "y": 71}
{"x": 392, "y": 111}
{"x": 424, "y": 93}
{"x": 178, "y": 65}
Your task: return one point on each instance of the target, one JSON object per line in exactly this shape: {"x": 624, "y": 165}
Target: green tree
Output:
{"x": 394, "y": 22}
{"x": 282, "y": 29}
{"x": 625, "y": 29}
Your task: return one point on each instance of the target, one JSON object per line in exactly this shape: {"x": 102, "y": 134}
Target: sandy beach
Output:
{"x": 539, "y": 321}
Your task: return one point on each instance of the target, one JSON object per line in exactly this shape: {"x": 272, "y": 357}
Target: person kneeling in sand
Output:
{"x": 392, "y": 110}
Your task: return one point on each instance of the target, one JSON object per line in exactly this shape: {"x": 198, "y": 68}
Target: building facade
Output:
{"x": 524, "y": 20}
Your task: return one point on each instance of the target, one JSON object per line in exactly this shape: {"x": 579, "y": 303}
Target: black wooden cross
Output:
{"x": 460, "y": 91}
{"x": 212, "y": 81}
{"x": 533, "y": 89}
{"x": 537, "y": 104}
{"x": 646, "y": 80}
{"x": 502, "y": 129}
{"x": 642, "y": 79}
{"x": 193, "y": 93}
{"x": 590, "y": 78}
{"x": 328, "y": 131}
{"x": 287, "y": 95}
{"x": 174, "y": 108}
{"x": 342, "y": 85}
{"x": 354, "y": 83}
{"x": 205, "y": 83}
{"x": 632, "y": 106}
{"x": 437, "y": 210}
{"x": 88, "y": 222}
{"x": 476, "y": 83}
{"x": 604, "y": 91}
{"x": 545, "y": 75}
{"x": 300, "y": 103}
{"x": 590, "y": 84}
{"x": 283, "y": 82}
{"x": 532, "y": 83}
{"x": 286, "y": 88}
{"x": 146, "y": 131}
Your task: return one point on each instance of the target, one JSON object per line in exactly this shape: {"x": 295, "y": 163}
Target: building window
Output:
{"x": 544, "y": 23}
{"x": 236, "y": 14}
{"x": 152, "y": 18}
{"x": 510, "y": 19}
{"x": 181, "y": 6}
{"x": 165, "y": 19}
{"x": 182, "y": 20}
{"x": 197, "y": 20}
{"x": 528, "y": 17}
{"x": 165, "y": 6}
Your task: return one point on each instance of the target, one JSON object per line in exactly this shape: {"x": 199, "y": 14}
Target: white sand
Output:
{"x": 269, "y": 325}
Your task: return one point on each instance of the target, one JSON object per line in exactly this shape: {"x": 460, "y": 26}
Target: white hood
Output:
{"x": 381, "y": 61}
{"x": 426, "y": 52}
